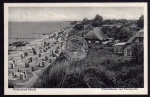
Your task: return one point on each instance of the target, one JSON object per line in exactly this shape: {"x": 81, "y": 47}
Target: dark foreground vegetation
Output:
{"x": 100, "y": 69}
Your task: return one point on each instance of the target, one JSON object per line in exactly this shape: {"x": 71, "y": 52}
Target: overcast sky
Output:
{"x": 19, "y": 14}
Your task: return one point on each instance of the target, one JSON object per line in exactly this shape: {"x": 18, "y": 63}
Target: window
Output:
{"x": 128, "y": 52}
{"x": 96, "y": 41}
{"x": 141, "y": 39}
{"x": 116, "y": 50}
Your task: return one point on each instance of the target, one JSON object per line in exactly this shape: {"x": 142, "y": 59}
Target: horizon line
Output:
{"x": 70, "y": 20}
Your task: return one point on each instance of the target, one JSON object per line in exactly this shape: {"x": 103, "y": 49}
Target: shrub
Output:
{"x": 74, "y": 22}
{"x": 93, "y": 82}
{"x": 109, "y": 44}
{"x": 110, "y": 49}
{"x": 137, "y": 52}
{"x": 128, "y": 78}
{"x": 78, "y": 27}
{"x": 111, "y": 64}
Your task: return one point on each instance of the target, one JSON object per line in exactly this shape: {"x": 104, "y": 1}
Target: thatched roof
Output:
{"x": 133, "y": 25}
{"x": 140, "y": 33}
{"x": 96, "y": 33}
{"x": 120, "y": 44}
{"x": 131, "y": 40}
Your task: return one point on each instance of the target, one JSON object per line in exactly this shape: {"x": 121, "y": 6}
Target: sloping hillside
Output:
{"x": 98, "y": 70}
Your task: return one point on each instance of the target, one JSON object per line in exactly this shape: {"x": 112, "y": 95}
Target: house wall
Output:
{"x": 93, "y": 41}
{"x": 127, "y": 51}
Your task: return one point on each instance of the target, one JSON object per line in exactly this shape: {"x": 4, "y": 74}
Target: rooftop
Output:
{"x": 96, "y": 33}
{"x": 120, "y": 44}
{"x": 140, "y": 33}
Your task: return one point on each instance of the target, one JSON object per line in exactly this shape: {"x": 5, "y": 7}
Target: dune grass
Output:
{"x": 100, "y": 69}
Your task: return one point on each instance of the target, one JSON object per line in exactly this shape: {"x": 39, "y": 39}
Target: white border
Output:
{"x": 75, "y": 91}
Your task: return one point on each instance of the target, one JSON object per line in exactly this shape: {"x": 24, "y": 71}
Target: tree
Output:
{"x": 112, "y": 32}
{"x": 74, "y": 22}
{"x": 85, "y": 19}
{"x": 137, "y": 52}
{"x": 78, "y": 27}
{"x": 98, "y": 17}
{"x": 104, "y": 29}
{"x": 140, "y": 22}
{"x": 124, "y": 34}
{"x": 97, "y": 21}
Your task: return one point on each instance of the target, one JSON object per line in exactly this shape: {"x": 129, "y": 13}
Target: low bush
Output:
{"x": 110, "y": 49}
{"x": 138, "y": 52}
{"x": 130, "y": 77}
{"x": 128, "y": 73}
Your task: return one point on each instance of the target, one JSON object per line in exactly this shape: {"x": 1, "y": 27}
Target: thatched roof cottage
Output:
{"x": 95, "y": 36}
{"x": 138, "y": 37}
{"x": 125, "y": 48}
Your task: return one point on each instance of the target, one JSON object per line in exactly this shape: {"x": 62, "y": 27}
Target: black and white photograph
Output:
{"x": 76, "y": 46}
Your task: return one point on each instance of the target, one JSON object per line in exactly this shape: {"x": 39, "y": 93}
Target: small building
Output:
{"x": 50, "y": 60}
{"x": 30, "y": 59}
{"x": 118, "y": 47}
{"x": 138, "y": 37}
{"x": 116, "y": 41}
{"x": 95, "y": 36}
{"x": 22, "y": 76}
{"x": 111, "y": 25}
{"x": 46, "y": 58}
{"x": 134, "y": 27}
{"x": 11, "y": 65}
{"x": 118, "y": 25}
{"x": 25, "y": 74}
{"x": 11, "y": 75}
{"x": 111, "y": 40}
{"x": 42, "y": 63}
{"x": 17, "y": 74}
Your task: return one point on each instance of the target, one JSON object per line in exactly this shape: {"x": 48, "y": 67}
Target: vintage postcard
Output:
{"x": 75, "y": 49}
